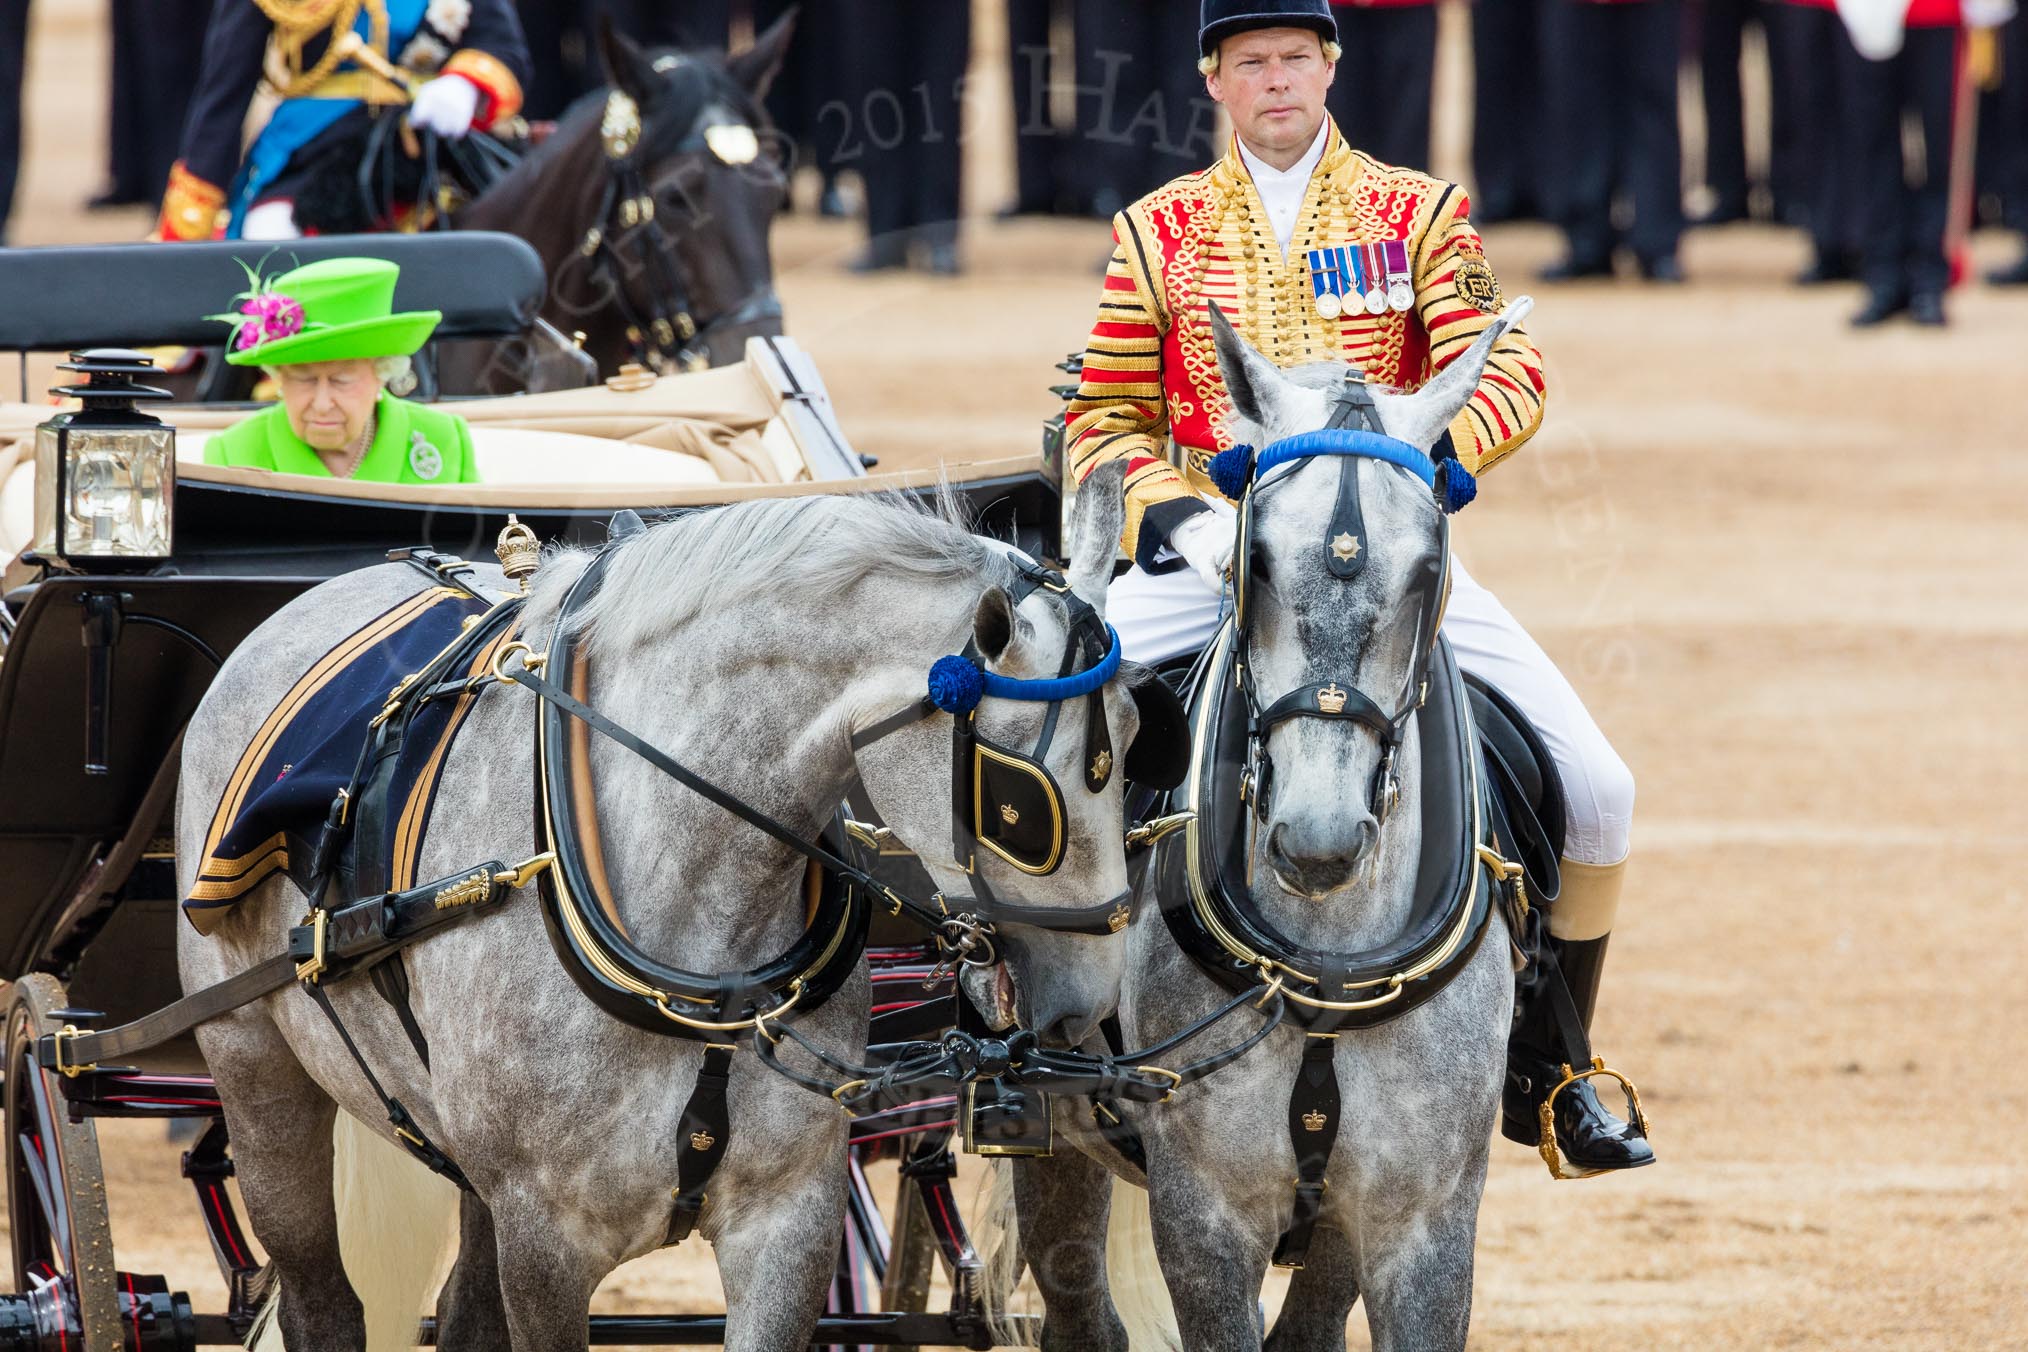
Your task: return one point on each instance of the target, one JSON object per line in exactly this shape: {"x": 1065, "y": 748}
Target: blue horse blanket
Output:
{"x": 274, "y": 806}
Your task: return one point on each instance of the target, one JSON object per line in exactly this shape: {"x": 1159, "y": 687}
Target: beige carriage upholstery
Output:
{"x": 766, "y": 422}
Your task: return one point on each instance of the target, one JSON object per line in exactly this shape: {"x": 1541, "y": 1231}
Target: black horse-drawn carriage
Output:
{"x": 129, "y": 583}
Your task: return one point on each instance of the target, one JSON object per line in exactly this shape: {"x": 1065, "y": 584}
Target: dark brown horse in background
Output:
{"x": 650, "y": 205}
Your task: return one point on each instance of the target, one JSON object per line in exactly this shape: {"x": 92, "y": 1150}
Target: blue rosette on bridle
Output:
{"x": 957, "y": 684}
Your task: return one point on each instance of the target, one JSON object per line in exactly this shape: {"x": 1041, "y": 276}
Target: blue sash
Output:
{"x": 297, "y": 122}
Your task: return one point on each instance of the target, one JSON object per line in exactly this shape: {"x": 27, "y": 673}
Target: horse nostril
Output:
{"x": 1364, "y": 833}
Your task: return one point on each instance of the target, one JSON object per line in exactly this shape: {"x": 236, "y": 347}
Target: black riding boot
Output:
{"x": 1551, "y": 1045}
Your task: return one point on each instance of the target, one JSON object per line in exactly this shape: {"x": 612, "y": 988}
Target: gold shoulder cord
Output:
{"x": 298, "y": 21}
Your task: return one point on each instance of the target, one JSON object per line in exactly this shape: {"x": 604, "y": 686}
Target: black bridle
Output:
{"x": 995, "y": 788}
{"x": 1353, "y": 432}
{"x": 664, "y": 333}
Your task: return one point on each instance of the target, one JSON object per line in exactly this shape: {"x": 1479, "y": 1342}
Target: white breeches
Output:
{"x": 1160, "y": 615}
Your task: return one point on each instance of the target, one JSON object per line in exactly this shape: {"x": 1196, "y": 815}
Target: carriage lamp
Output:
{"x": 105, "y": 474}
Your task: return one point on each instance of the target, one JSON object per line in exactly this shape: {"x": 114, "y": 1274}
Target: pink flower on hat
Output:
{"x": 268, "y": 317}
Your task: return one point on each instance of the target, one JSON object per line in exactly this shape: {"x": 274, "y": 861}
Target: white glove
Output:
{"x": 1205, "y": 542}
{"x": 446, "y": 106}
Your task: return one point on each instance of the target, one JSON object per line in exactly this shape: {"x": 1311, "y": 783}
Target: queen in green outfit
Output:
{"x": 328, "y": 335}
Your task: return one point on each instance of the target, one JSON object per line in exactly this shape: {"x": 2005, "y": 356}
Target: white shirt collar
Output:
{"x": 1282, "y": 190}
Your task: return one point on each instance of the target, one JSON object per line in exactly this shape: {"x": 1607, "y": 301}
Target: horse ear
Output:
{"x": 1420, "y": 418}
{"x": 994, "y": 623}
{"x": 1096, "y": 519}
{"x": 1248, "y": 375}
{"x": 627, "y": 66}
{"x": 755, "y": 68}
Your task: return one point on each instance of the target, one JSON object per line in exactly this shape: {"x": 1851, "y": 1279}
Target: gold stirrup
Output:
{"x": 1545, "y": 1115}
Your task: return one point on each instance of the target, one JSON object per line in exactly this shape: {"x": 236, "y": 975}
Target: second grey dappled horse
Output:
{"x": 1419, "y": 1093}
{"x": 749, "y": 642}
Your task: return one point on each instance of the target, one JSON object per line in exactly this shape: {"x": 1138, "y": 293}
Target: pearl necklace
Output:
{"x": 355, "y": 452}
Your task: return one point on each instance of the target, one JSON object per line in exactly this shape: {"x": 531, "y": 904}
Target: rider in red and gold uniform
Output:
{"x": 1242, "y": 234}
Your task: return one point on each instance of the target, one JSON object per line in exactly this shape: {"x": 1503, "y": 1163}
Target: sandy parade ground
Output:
{"x": 1781, "y": 561}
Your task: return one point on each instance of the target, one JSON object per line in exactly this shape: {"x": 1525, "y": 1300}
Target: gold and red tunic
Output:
{"x": 1151, "y": 388}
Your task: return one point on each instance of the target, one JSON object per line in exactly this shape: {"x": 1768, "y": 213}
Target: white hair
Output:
{"x": 721, "y": 557}
{"x": 395, "y": 374}
{"x": 1208, "y": 65}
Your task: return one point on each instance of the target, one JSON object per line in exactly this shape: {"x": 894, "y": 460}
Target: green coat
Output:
{"x": 265, "y": 441}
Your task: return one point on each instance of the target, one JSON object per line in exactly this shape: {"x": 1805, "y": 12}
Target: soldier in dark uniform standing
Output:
{"x": 810, "y": 80}
{"x": 1381, "y": 98}
{"x": 1901, "y": 225}
{"x": 1613, "y": 117}
{"x": 13, "y": 61}
{"x": 1142, "y": 114}
{"x": 2010, "y": 117}
{"x": 1038, "y": 142}
{"x": 1721, "y": 33}
{"x": 904, "y": 126}
{"x": 1510, "y": 161}
{"x": 1804, "y": 41}
{"x": 158, "y": 46}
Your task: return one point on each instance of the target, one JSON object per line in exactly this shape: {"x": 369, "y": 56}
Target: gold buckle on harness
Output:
{"x": 68, "y": 1071}
{"x": 313, "y": 967}
{"x": 1546, "y": 1114}
{"x": 526, "y": 871}
{"x": 1148, "y": 832}
{"x": 1508, "y": 871}
{"x": 530, "y": 660}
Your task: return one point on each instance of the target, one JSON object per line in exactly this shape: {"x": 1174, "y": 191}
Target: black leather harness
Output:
{"x": 1204, "y": 877}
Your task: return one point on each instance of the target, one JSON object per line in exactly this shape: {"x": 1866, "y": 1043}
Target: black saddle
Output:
{"x": 1533, "y": 812}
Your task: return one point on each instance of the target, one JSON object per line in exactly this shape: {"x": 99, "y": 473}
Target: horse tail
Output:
{"x": 1140, "y": 1297}
{"x": 996, "y": 1234}
{"x": 395, "y": 1222}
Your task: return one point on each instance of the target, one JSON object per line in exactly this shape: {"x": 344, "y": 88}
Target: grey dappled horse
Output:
{"x": 1420, "y": 1092}
{"x": 749, "y": 642}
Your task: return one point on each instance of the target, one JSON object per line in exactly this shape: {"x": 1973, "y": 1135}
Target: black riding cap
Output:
{"x": 1220, "y": 19}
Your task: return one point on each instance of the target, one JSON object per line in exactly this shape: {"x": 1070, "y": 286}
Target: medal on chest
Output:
{"x": 1330, "y": 280}
{"x": 1373, "y": 277}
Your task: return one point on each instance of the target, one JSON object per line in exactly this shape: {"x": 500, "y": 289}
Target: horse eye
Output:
{"x": 1257, "y": 565}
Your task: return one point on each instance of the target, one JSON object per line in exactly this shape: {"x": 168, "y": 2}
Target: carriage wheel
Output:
{"x": 56, "y": 1189}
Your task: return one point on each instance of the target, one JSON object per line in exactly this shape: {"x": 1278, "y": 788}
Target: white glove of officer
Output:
{"x": 446, "y": 106}
{"x": 1205, "y": 542}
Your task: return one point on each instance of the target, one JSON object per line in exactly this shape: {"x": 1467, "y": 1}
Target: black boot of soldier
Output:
{"x": 1547, "y": 1046}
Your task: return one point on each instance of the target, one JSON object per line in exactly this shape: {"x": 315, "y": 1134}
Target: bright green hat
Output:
{"x": 335, "y": 310}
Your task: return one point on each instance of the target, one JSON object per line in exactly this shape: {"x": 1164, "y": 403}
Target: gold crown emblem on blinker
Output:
{"x": 1009, "y": 815}
{"x": 702, "y": 1140}
{"x": 519, "y": 552}
{"x": 1331, "y": 699}
{"x": 1314, "y": 1120}
{"x": 1117, "y": 918}
{"x": 620, "y": 127}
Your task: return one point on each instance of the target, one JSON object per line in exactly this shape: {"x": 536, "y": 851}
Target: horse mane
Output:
{"x": 811, "y": 547}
